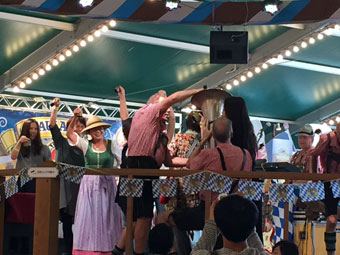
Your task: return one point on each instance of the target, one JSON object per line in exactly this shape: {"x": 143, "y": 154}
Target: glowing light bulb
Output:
{"x": 304, "y": 45}
{"x": 41, "y": 71}
{"x": 48, "y": 67}
{"x": 250, "y": 74}
{"x": 236, "y": 82}
{"x": 82, "y": 43}
{"x": 311, "y": 40}
{"x": 264, "y": 65}
{"x": 22, "y": 85}
{"x": 337, "y": 119}
{"x": 16, "y": 89}
{"x": 320, "y": 36}
{"x": 228, "y": 87}
{"x": 296, "y": 49}
{"x": 288, "y": 53}
{"x": 327, "y": 32}
{"x": 55, "y": 62}
{"x": 68, "y": 53}
{"x": 90, "y": 38}
{"x": 35, "y": 76}
{"x": 280, "y": 57}
{"x": 28, "y": 80}
{"x": 193, "y": 107}
{"x": 257, "y": 69}
{"x": 243, "y": 78}
{"x": 97, "y": 33}
{"x": 331, "y": 122}
{"x": 104, "y": 29}
{"x": 113, "y": 23}
{"x": 75, "y": 48}
{"x": 61, "y": 58}
{"x": 337, "y": 27}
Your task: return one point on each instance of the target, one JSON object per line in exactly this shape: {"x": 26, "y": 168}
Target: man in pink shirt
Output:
{"x": 145, "y": 152}
{"x": 328, "y": 149}
{"x": 225, "y": 157}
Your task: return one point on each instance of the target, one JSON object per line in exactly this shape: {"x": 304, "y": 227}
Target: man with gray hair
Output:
{"x": 225, "y": 157}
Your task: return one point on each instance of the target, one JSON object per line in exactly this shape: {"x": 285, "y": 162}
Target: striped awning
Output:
{"x": 204, "y": 12}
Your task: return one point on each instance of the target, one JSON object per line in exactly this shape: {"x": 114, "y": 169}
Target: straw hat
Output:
{"x": 93, "y": 122}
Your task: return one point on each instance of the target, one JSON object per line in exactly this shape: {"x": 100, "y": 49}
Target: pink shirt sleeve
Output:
{"x": 197, "y": 163}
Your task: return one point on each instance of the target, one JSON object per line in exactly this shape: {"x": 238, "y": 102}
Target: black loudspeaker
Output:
{"x": 229, "y": 47}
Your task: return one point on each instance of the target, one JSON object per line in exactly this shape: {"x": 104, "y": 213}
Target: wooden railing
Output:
{"x": 45, "y": 240}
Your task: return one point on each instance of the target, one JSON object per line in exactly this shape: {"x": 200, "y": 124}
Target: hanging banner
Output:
{"x": 10, "y": 127}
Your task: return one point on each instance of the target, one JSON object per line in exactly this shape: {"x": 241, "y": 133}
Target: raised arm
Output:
{"x": 70, "y": 129}
{"x": 124, "y": 114}
{"x": 176, "y": 98}
{"x": 171, "y": 125}
{"x": 54, "y": 110}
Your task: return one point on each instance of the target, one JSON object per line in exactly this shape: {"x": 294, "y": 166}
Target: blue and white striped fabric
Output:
{"x": 278, "y": 221}
{"x": 165, "y": 188}
{"x": 194, "y": 183}
{"x": 312, "y": 191}
{"x": 251, "y": 190}
{"x": 24, "y": 178}
{"x": 281, "y": 192}
{"x": 131, "y": 187}
{"x": 335, "y": 188}
{"x": 11, "y": 187}
{"x": 219, "y": 183}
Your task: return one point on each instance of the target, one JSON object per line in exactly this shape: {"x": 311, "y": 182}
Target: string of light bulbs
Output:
{"x": 277, "y": 58}
{"x": 61, "y": 56}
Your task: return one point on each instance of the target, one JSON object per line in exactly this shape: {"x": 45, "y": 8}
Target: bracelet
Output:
{"x": 15, "y": 149}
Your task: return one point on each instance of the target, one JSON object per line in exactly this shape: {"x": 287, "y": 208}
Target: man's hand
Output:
{"x": 77, "y": 111}
{"x": 120, "y": 91}
{"x": 205, "y": 132}
{"x": 212, "y": 208}
{"x": 55, "y": 102}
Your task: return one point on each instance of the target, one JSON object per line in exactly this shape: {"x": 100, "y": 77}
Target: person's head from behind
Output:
{"x": 285, "y": 247}
{"x": 79, "y": 125}
{"x": 236, "y": 217}
{"x": 126, "y": 125}
{"x": 161, "y": 239}
{"x": 235, "y": 109}
{"x": 222, "y": 129}
{"x": 193, "y": 122}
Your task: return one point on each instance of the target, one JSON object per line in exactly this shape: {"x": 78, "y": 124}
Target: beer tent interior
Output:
{"x": 153, "y": 48}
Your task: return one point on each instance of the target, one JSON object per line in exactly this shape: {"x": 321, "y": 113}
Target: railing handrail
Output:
{"x": 184, "y": 172}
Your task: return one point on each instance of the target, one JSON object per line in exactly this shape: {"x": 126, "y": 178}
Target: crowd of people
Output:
{"x": 98, "y": 211}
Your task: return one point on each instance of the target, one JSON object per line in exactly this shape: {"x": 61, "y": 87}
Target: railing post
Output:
{"x": 45, "y": 240}
{"x": 129, "y": 215}
{"x": 207, "y": 196}
{"x": 2, "y": 213}
{"x": 286, "y": 221}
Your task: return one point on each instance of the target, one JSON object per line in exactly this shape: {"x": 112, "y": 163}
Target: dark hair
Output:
{"x": 287, "y": 247}
{"x": 80, "y": 119}
{"x": 161, "y": 239}
{"x": 222, "y": 129}
{"x": 243, "y": 132}
{"x": 236, "y": 217}
{"x": 193, "y": 122}
{"x": 126, "y": 125}
{"x": 36, "y": 144}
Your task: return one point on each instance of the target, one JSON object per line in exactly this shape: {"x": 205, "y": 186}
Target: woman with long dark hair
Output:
{"x": 29, "y": 151}
{"x": 235, "y": 109}
{"x": 243, "y": 131}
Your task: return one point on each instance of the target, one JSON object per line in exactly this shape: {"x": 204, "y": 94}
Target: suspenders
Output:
{"x": 234, "y": 183}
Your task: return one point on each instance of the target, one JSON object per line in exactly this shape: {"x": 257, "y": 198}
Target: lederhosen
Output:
{"x": 142, "y": 206}
{"x": 193, "y": 218}
{"x": 331, "y": 203}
